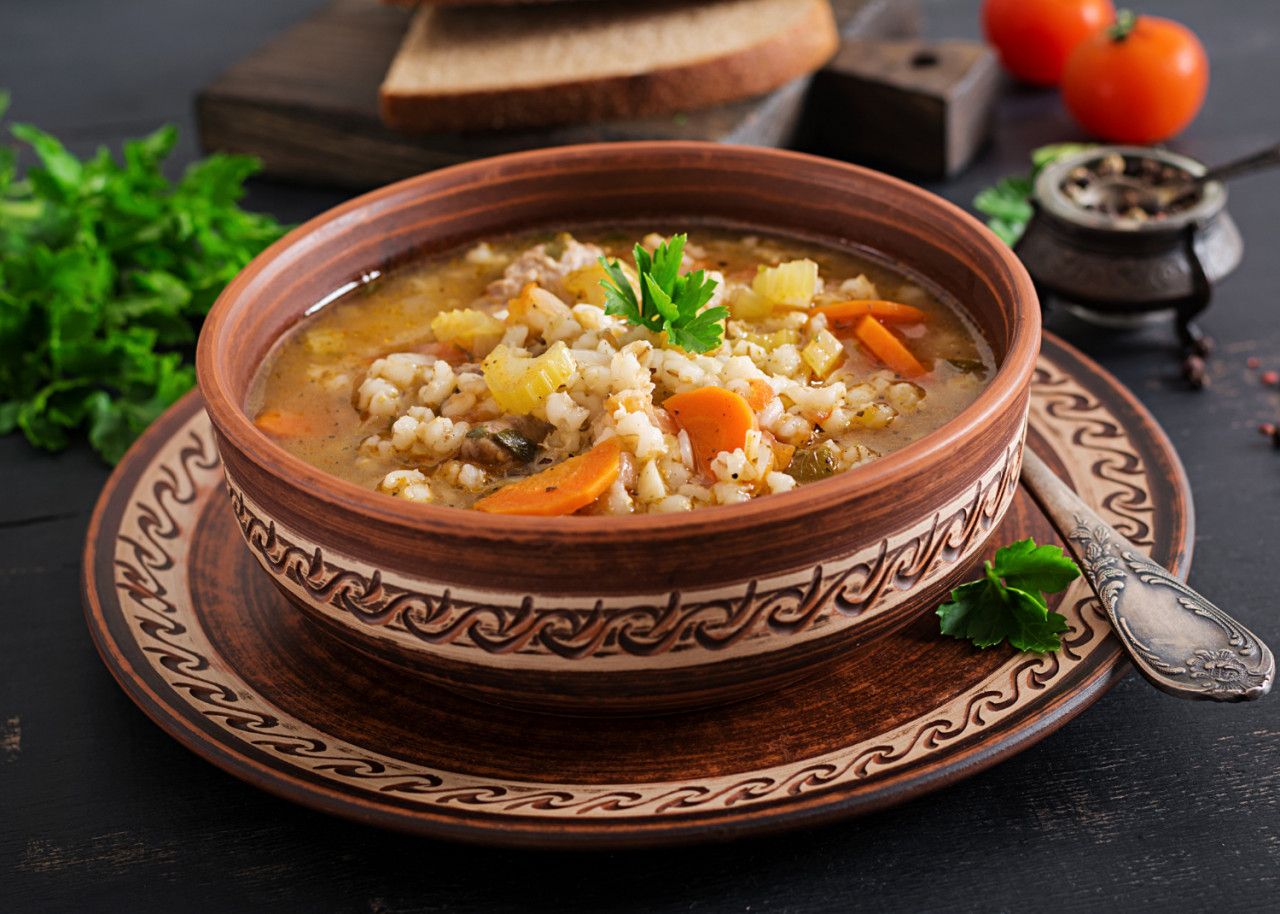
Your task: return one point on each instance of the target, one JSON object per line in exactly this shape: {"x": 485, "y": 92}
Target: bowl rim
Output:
{"x": 231, "y": 419}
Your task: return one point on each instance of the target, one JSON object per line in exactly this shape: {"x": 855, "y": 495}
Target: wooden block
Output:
{"x": 920, "y": 107}
{"x": 307, "y": 103}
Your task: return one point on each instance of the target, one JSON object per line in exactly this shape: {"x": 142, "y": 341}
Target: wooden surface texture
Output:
{"x": 1142, "y": 803}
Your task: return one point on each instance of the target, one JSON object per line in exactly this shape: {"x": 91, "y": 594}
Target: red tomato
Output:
{"x": 1034, "y": 37}
{"x": 1142, "y": 81}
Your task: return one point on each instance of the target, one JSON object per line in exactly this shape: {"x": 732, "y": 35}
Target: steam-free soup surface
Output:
{"x": 496, "y": 380}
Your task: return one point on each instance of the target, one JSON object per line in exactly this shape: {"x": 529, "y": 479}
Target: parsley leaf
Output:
{"x": 1009, "y": 602}
{"x": 668, "y": 303}
{"x": 107, "y": 269}
{"x": 1008, "y": 203}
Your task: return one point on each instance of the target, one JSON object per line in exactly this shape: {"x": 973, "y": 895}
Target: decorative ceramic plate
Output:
{"x": 201, "y": 640}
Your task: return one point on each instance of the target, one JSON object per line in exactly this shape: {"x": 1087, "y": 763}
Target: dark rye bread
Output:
{"x": 579, "y": 61}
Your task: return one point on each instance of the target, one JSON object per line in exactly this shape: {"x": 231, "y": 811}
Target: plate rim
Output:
{"x": 970, "y": 755}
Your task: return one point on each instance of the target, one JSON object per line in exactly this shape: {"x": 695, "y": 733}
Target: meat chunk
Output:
{"x": 544, "y": 264}
{"x": 502, "y": 442}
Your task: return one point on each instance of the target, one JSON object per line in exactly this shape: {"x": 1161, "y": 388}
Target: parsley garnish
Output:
{"x": 991, "y": 610}
{"x": 106, "y": 271}
{"x": 668, "y": 302}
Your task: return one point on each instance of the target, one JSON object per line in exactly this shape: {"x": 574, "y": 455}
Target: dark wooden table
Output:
{"x": 1142, "y": 803}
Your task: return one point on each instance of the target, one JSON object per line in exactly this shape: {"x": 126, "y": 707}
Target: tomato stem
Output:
{"x": 1125, "y": 21}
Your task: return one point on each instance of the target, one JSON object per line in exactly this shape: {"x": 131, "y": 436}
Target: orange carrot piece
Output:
{"x": 761, "y": 394}
{"x": 843, "y": 312}
{"x": 281, "y": 423}
{"x": 560, "y": 489}
{"x": 886, "y": 347}
{"x": 715, "y": 419}
{"x": 447, "y": 352}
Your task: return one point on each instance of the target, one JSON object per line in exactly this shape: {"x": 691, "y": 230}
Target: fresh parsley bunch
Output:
{"x": 668, "y": 302}
{"x": 1009, "y": 602}
{"x": 106, "y": 271}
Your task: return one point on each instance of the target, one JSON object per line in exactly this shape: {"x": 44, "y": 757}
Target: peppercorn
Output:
{"x": 1193, "y": 370}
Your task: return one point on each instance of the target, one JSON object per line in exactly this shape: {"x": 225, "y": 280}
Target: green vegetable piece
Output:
{"x": 968, "y": 366}
{"x": 1007, "y": 200}
{"x": 668, "y": 302}
{"x": 810, "y": 464}
{"x": 521, "y": 448}
{"x": 1009, "y": 602}
{"x": 1042, "y": 156}
{"x": 1035, "y": 569}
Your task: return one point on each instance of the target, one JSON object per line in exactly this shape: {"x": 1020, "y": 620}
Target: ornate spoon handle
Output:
{"x": 1178, "y": 640}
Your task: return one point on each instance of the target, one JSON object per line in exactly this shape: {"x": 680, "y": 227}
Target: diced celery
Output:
{"x": 520, "y": 384}
{"x": 823, "y": 353}
{"x": 789, "y": 284}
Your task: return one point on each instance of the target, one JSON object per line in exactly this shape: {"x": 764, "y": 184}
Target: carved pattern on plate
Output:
{"x": 1116, "y": 473}
{"x": 676, "y": 622}
{"x": 167, "y": 500}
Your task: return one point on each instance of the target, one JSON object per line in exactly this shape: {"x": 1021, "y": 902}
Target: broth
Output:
{"x": 396, "y": 385}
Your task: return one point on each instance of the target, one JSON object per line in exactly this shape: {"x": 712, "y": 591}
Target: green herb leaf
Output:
{"x": 1043, "y": 155}
{"x": 519, "y": 446}
{"x": 105, "y": 267}
{"x": 668, "y": 302}
{"x": 1035, "y": 569}
{"x": 1007, "y": 200}
{"x": 1008, "y": 203}
{"x": 1009, "y": 602}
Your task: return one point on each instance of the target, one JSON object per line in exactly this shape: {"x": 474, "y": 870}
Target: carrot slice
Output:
{"x": 561, "y": 489}
{"x": 281, "y": 423}
{"x": 886, "y": 347}
{"x": 714, "y": 418}
{"x": 842, "y": 312}
{"x": 761, "y": 394}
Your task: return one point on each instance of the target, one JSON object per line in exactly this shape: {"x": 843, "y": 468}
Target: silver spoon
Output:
{"x": 1178, "y": 640}
{"x": 1124, "y": 192}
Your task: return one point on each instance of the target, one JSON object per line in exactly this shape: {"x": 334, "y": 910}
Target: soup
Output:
{"x": 536, "y": 375}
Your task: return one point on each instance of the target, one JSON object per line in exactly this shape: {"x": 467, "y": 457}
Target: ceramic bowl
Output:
{"x": 631, "y": 615}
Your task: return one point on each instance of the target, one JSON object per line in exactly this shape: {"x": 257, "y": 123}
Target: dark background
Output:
{"x": 1142, "y": 803}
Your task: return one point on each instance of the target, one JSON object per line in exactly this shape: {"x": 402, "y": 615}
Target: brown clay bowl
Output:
{"x": 641, "y": 614}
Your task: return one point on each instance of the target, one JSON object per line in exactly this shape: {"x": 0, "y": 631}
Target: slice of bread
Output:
{"x": 482, "y": 68}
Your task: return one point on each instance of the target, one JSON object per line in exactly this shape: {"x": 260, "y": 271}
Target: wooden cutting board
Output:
{"x": 307, "y": 102}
